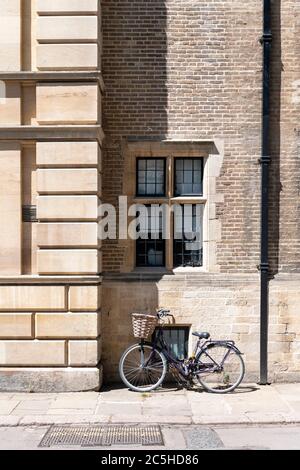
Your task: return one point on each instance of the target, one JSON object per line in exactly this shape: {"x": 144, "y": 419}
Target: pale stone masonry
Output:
{"x": 177, "y": 79}
{"x": 50, "y": 259}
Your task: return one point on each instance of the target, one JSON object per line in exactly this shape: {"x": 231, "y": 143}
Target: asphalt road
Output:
{"x": 180, "y": 438}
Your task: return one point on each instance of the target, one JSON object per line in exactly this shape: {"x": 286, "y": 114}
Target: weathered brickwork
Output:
{"x": 285, "y": 221}
{"x": 177, "y": 70}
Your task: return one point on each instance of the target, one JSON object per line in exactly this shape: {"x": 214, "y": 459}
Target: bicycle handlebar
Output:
{"x": 163, "y": 312}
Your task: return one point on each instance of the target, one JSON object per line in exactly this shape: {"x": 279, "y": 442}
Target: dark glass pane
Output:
{"x": 151, "y": 172}
{"x": 142, "y": 176}
{"x": 189, "y": 172}
{"x": 151, "y": 189}
{"x": 142, "y": 164}
{"x": 187, "y": 244}
{"x": 160, "y": 177}
{"x": 142, "y": 189}
{"x": 188, "y": 177}
{"x": 177, "y": 340}
{"x": 151, "y": 176}
{"x": 160, "y": 165}
{"x": 151, "y": 250}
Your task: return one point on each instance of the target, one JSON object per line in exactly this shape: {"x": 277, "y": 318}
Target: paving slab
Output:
{"x": 251, "y": 403}
{"x": 7, "y": 406}
{"x": 119, "y": 409}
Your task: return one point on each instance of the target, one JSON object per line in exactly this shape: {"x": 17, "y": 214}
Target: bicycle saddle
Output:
{"x": 201, "y": 335}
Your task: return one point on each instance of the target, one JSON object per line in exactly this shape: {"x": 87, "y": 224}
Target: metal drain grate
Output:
{"x": 92, "y": 436}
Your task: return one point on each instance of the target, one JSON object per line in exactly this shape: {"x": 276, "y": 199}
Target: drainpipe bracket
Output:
{"x": 265, "y": 159}
{"x": 264, "y": 267}
{"x": 266, "y": 38}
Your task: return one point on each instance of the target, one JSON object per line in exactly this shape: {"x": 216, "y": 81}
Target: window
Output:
{"x": 177, "y": 338}
{"x": 150, "y": 246}
{"x": 151, "y": 176}
{"x": 188, "y": 176}
{"x": 187, "y": 244}
{"x": 170, "y": 182}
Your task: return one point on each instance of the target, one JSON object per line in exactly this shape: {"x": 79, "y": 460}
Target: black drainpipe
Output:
{"x": 265, "y": 161}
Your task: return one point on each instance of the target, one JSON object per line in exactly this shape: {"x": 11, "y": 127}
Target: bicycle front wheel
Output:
{"x": 142, "y": 368}
{"x": 221, "y": 369}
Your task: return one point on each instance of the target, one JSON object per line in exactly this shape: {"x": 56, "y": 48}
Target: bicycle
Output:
{"x": 217, "y": 365}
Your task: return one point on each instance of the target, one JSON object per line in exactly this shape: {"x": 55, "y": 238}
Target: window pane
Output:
{"x": 141, "y": 189}
{"x": 188, "y": 164}
{"x": 151, "y": 189}
{"x": 177, "y": 340}
{"x": 160, "y": 165}
{"x": 151, "y": 163}
{"x": 142, "y": 164}
{"x": 151, "y": 250}
{"x": 188, "y": 176}
{"x": 160, "y": 177}
{"x": 187, "y": 189}
{"x": 142, "y": 176}
{"x": 188, "y": 243}
{"x": 189, "y": 172}
{"x": 151, "y": 173}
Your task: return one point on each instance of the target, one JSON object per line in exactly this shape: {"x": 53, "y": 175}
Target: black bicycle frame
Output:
{"x": 160, "y": 344}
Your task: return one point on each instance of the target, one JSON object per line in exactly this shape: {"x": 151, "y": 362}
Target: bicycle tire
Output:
{"x": 126, "y": 379}
{"x": 221, "y": 389}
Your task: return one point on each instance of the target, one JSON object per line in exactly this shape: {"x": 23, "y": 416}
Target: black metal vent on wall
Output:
{"x": 29, "y": 213}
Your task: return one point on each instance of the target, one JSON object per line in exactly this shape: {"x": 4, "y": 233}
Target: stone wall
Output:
{"x": 50, "y": 157}
{"x": 226, "y": 306}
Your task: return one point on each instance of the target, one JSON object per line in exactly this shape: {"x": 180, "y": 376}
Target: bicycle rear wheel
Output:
{"x": 227, "y": 376}
{"x": 142, "y": 368}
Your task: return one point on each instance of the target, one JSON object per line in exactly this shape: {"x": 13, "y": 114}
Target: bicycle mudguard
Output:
{"x": 227, "y": 343}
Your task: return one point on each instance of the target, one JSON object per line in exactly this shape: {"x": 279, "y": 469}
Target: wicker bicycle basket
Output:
{"x": 143, "y": 324}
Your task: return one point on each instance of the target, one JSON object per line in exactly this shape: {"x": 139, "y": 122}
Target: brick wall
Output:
{"x": 188, "y": 70}
{"x": 193, "y": 70}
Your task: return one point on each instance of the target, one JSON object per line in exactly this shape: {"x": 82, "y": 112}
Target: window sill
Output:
{"x": 190, "y": 199}
{"x": 189, "y": 269}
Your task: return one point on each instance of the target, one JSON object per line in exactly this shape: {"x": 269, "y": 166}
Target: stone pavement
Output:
{"x": 250, "y": 404}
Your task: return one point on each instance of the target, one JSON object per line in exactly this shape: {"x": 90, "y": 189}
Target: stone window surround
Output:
{"x": 212, "y": 153}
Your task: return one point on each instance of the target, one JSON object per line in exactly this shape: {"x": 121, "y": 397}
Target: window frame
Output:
{"x": 145, "y": 196}
{"x": 175, "y": 162}
{"x": 205, "y": 150}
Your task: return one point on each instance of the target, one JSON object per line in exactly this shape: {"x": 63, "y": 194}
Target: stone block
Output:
{"x": 10, "y": 35}
{"x": 67, "y": 207}
{"x": 67, "y": 6}
{"x": 75, "y": 262}
{"x": 32, "y": 353}
{"x": 50, "y": 380}
{"x": 79, "y": 180}
{"x": 71, "y": 234}
{"x": 32, "y": 298}
{"x": 67, "y": 325}
{"x": 67, "y": 153}
{"x": 10, "y": 208}
{"x": 67, "y": 56}
{"x": 84, "y": 298}
{"x": 10, "y": 104}
{"x": 15, "y": 325}
{"x": 84, "y": 353}
{"x": 67, "y": 29}
{"x": 63, "y": 103}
